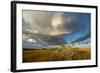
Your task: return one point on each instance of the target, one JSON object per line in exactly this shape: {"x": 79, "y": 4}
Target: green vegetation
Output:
{"x": 62, "y": 46}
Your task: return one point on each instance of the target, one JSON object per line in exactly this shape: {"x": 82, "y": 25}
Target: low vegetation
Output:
{"x": 56, "y": 54}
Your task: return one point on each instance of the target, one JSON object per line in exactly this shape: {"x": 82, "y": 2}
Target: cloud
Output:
{"x": 54, "y": 28}
{"x": 86, "y": 36}
{"x": 45, "y": 22}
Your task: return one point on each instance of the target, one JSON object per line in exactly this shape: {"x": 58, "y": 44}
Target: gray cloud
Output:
{"x": 48, "y": 22}
{"x": 49, "y": 28}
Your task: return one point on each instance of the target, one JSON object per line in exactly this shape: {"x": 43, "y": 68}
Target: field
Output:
{"x": 55, "y": 54}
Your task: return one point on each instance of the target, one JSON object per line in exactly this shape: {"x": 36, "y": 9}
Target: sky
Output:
{"x": 47, "y": 28}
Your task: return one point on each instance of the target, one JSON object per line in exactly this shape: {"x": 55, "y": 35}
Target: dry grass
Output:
{"x": 56, "y": 54}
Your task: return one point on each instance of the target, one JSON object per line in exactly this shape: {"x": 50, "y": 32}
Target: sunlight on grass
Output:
{"x": 55, "y": 54}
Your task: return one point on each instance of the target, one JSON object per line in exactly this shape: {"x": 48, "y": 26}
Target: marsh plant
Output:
{"x": 62, "y": 53}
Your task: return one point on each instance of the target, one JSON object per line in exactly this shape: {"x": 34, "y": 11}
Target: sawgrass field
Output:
{"x": 55, "y": 54}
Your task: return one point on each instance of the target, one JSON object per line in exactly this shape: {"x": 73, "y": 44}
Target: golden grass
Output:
{"x": 56, "y": 54}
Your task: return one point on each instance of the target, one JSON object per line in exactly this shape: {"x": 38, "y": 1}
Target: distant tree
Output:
{"x": 62, "y": 46}
{"x": 71, "y": 45}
